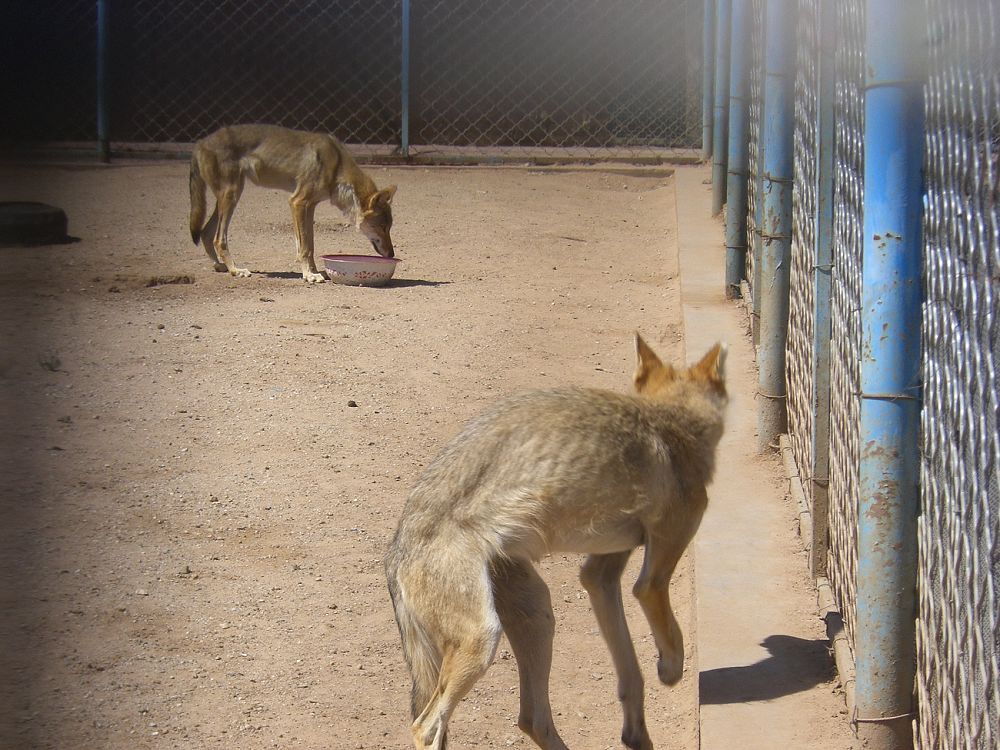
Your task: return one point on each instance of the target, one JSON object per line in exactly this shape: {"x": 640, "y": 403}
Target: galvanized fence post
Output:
{"x": 776, "y": 227}
{"x": 720, "y": 138}
{"x": 404, "y": 83}
{"x": 739, "y": 147}
{"x": 103, "y": 102}
{"x": 890, "y": 373}
{"x": 707, "y": 78}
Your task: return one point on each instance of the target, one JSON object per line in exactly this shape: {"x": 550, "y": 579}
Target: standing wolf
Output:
{"x": 572, "y": 470}
{"x": 313, "y": 167}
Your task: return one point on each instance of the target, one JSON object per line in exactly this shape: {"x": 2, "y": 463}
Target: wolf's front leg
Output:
{"x": 303, "y": 213}
{"x": 652, "y": 589}
{"x": 225, "y": 206}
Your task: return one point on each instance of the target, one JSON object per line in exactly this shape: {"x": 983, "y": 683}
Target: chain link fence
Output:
{"x": 49, "y": 63}
{"x": 191, "y": 66}
{"x": 848, "y": 194}
{"x": 599, "y": 79}
{"x": 958, "y": 633}
{"x": 587, "y": 74}
{"x": 801, "y": 326}
{"x": 845, "y": 345}
{"x": 755, "y": 115}
{"x": 958, "y": 623}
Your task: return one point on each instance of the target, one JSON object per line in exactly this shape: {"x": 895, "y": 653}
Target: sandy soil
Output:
{"x": 199, "y": 479}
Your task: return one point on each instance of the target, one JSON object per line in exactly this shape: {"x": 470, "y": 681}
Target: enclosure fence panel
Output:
{"x": 845, "y": 348}
{"x": 48, "y": 55}
{"x": 518, "y": 77}
{"x": 958, "y": 531}
{"x": 187, "y": 67}
{"x": 534, "y": 74}
{"x": 958, "y": 633}
{"x": 800, "y": 379}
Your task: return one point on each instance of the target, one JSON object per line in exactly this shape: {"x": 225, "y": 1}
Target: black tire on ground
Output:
{"x": 29, "y": 223}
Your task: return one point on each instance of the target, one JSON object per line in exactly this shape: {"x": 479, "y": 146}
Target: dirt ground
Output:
{"x": 200, "y": 479}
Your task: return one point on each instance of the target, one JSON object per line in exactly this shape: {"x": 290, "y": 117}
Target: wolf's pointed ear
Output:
{"x": 385, "y": 195}
{"x": 646, "y": 363}
{"x": 712, "y": 366}
{"x": 380, "y": 198}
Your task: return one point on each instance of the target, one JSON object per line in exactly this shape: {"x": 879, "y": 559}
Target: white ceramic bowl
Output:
{"x": 360, "y": 270}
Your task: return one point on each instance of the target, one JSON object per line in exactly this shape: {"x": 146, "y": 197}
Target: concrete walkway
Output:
{"x": 766, "y": 677}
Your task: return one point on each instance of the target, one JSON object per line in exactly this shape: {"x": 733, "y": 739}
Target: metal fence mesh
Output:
{"x": 800, "y": 315}
{"x": 755, "y": 114}
{"x": 592, "y": 74}
{"x": 604, "y": 79}
{"x": 49, "y": 63}
{"x": 958, "y": 634}
{"x": 845, "y": 348}
{"x": 958, "y": 629}
{"x": 189, "y": 67}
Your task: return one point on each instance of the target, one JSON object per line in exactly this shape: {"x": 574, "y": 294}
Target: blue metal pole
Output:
{"x": 404, "y": 82}
{"x": 721, "y": 122}
{"x": 103, "y": 116}
{"x": 736, "y": 189}
{"x": 890, "y": 372}
{"x": 708, "y": 78}
{"x": 822, "y": 286}
{"x": 776, "y": 229}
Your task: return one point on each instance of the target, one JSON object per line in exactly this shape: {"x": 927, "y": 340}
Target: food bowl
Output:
{"x": 360, "y": 270}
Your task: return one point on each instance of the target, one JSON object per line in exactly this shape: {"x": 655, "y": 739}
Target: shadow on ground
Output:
{"x": 392, "y": 283}
{"x": 794, "y": 665}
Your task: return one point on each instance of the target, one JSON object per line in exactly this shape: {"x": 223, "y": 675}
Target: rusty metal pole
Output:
{"x": 404, "y": 82}
{"x": 720, "y": 124}
{"x": 103, "y": 100}
{"x": 739, "y": 147}
{"x": 707, "y": 78}
{"x": 776, "y": 228}
{"x": 891, "y": 298}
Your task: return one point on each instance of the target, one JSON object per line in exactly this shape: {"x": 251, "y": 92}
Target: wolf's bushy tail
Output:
{"x": 197, "y": 184}
{"x": 422, "y": 655}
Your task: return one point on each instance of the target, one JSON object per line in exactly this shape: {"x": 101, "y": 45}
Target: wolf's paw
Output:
{"x": 635, "y": 736}
{"x": 241, "y": 273}
{"x": 313, "y": 278}
{"x": 670, "y": 668}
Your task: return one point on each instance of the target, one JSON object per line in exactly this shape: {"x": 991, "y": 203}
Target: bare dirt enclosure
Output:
{"x": 199, "y": 479}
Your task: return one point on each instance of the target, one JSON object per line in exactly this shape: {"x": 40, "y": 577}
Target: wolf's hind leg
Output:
{"x": 208, "y": 240}
{"x": 452, "y": 599}
{"x": 601, "y": 576}
{"x": 228, "y": 197}
{"x": 462, "y": 664}
{"x": 525, "y": 609}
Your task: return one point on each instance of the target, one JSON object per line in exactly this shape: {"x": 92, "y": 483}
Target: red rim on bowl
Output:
{"x": 361, "y": 258}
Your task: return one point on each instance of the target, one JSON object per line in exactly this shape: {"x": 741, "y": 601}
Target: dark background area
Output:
{"x": 588, "y": 73}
